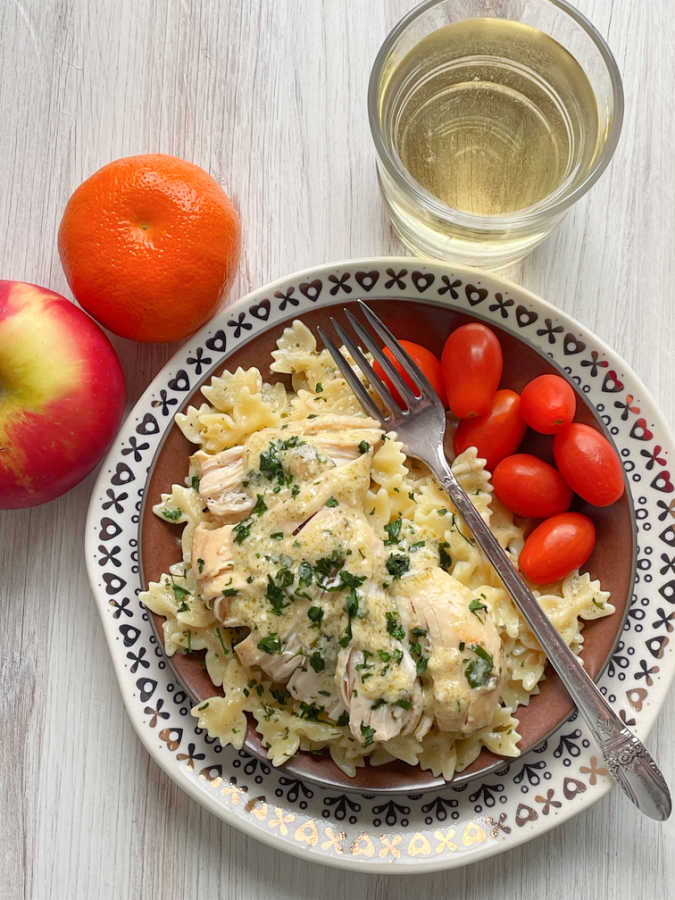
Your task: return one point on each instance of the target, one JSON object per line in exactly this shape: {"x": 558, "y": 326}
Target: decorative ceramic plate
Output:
{"x": 431, "y": 825}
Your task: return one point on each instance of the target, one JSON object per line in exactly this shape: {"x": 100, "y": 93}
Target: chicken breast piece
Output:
{"x": 339, "y": 437}
{"x": 387, "y": 720}
{"x": 221, "y": 483}
{"x": 212, "y": 558}
{"x": 316, "y": 688}
{"x": 462, "y": 646}
{"x": 280, "y": 665}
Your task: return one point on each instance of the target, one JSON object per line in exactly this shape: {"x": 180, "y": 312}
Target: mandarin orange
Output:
{"x": 150, "y": 246}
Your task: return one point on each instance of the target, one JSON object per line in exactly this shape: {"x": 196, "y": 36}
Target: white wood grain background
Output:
{"x": 270, "y": 97}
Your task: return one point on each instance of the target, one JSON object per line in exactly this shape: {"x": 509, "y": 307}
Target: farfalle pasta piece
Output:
{"x": 188, "y": 422}
{"x": 224, "y": 717}
{"x": 282, "y": 731}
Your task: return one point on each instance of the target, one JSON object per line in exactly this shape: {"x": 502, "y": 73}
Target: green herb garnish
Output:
{"x": 315, "y": 614}
{"x": 260, "y": 506}
{"x": 476, "y": 607}
{"x": 241, "y": 531}
{"x": 479, "y": 671}
{"x": 172, "y": 514}
{"x": 444, "y": 558}
{"x": 368, "y": 734}
{"x": 393, "y": 530}
{"x": 398, "y": 564}
{"x": 332, "y": 501}
{"x": 270, "y": 643}
{"x": 317, "y": 661}
{"x": 394, "y": 627}
{"x": 364, "y": 447}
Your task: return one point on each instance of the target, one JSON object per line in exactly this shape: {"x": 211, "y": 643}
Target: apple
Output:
{"x": 61, "y": 394}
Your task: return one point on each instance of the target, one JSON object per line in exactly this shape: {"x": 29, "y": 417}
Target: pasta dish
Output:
{"x": 335, "y": 591}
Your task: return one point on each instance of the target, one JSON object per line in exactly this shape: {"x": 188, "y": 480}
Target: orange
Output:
{"x": 150, "y": 245}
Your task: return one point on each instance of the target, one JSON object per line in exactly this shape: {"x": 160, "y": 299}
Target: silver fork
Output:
{"x": 420, "y": 427}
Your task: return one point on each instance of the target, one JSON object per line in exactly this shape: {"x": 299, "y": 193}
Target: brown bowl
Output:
{"x": 612, "y": 560}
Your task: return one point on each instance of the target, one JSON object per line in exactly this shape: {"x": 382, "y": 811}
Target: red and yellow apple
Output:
{"x": 61, "y": 394}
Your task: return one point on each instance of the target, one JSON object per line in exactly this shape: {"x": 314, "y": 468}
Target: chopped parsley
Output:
{"x": 384, "y": 655}
{"x": 194, "y": 482}
{"x": 203, "y": 706}
{"x": 332, "y": 501}
{"x": 394, "y": 627}
{"x": 343, "y": 720}
{"x": 230, "y": 592}
{"x": 280, "y": 695}
{"x": 444, "y": 558}
{"x": 417, "y": 546}
{"x": 398, "y": 564}
{"x": 327, "y": 568}
{"x": 222, "y": 643}
{"x": 421, "y": 661}
{"x": 304, "y": 574}
{"x": 393, "y": 530}
{"x": 479, "y": 670}
{"x": 411, "y": 496}
{"x": 180, "y": 593}
{"x": 172, "y": 514}
{"x": 317, "y": 661}
{"x": 443, "y": 511}
{"x": 368, "y": 734}
{"x": 200, "y": 565}
{"x": 241, "y": 531}
{"x": 270, "y": 463}
{"x": 295, "y": 490}
{"x": 364, "y": 447}
{"x": 403, "y": 702}
{"x": 260, "y": 506}
{"x": 378, "y": 703}
{"x": 276, "y": 596}
{"x": 277, "y": 535}
{"x": 270, "y": 643}
{"x": 477, "y": 606}
{"x": 319, "y": 388}
{"x": 310, "y": 711}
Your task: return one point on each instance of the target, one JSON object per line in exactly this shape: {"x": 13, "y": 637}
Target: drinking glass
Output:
{"x": 427, "y": 224}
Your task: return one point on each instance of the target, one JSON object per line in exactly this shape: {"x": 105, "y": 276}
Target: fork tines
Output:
{"x": 412, "y": 400}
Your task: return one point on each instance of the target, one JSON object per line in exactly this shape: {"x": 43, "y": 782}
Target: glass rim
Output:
{"x": 529, "y": 216}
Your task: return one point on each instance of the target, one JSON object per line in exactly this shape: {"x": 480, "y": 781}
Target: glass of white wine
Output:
{"x": 490, "y": 119}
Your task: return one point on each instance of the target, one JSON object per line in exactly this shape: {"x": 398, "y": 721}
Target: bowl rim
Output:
{"x": 178, "y": 774}
{"x": 291, "y": 767}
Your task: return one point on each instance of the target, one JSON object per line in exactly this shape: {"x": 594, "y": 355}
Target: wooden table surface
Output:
{"x": 270, "y": 97}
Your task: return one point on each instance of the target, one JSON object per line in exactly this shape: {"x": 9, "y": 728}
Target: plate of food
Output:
{"x": 270, "y": 567}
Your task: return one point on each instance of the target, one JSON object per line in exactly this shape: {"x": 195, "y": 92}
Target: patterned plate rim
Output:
{"x": 479, "y": 835}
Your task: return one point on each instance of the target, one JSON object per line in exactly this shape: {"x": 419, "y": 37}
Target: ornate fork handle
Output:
{"x": 626, "y": 757}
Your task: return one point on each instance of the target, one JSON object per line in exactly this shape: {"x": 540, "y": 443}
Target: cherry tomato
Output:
{"x": 472, "y": 366}
{"x": 496, "y": 434}
{"x": 557, "y": 547}
{"x": 528, "y": 486}
{"x": 427, "y": 362}
{"x": 589, "y": 464}
{"x": 548, "y": 404}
